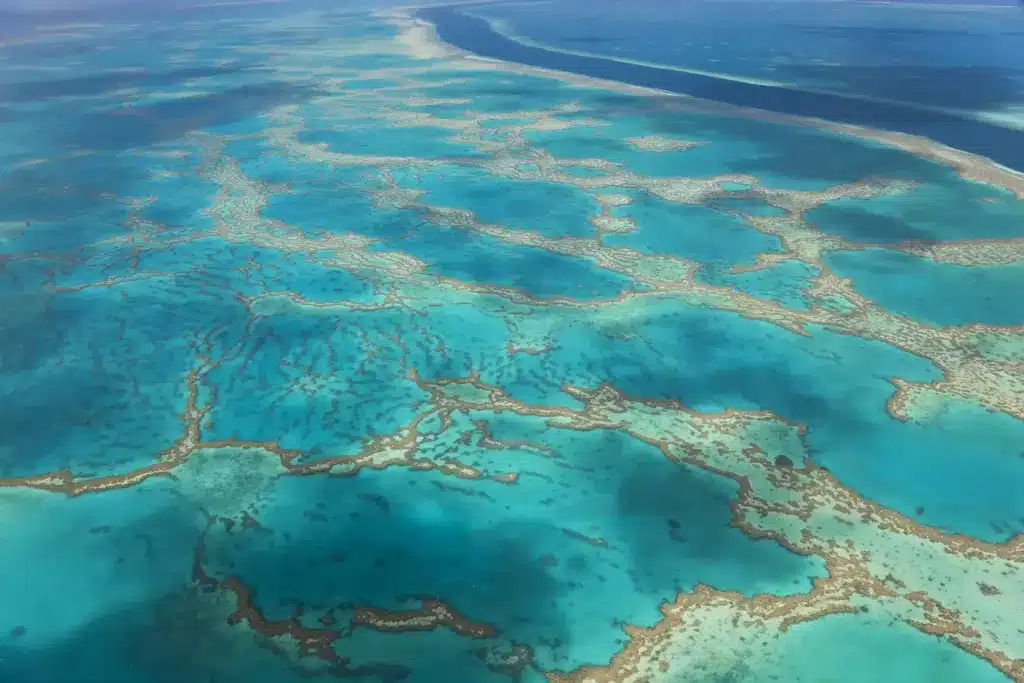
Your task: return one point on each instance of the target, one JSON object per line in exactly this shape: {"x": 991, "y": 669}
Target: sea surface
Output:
{"x": 966, "y": 56}
{"x": 948, "y": 71}
{"x": 327, "y": 351}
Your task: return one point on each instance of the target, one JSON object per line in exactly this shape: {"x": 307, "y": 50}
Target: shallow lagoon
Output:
{"x": 274, "y": 415}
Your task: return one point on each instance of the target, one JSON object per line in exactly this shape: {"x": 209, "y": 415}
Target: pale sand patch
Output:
{"x": 614, "y": 199}
{"x": 659, "y": 143}
{"x": 968, "y": 165}
{"x": 421, "y": 41}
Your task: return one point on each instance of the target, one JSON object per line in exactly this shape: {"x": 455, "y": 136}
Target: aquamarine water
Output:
{"x": 325, "y": 354}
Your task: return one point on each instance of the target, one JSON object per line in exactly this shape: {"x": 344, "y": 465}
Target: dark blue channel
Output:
{"x": 1005, "y": 146}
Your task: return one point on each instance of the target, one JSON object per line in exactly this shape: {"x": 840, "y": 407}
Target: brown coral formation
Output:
{"x": 430, "y": 615}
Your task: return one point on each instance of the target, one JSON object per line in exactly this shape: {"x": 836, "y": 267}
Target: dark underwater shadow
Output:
{"x": 860, "y": 225}
{"x": 31, "y": 335}
{"x": 384, "y": 554}
{"x": 37, "y": 323}
{"x": 78, "y": 361}
{"x": 63, "y": 188}
{"x": 710, "y": 359}
{"x": 681, "y": 518}
{"x": 676, "y": 521}
{"x": 169, "y": 638}
{"x": 368, "y": 544}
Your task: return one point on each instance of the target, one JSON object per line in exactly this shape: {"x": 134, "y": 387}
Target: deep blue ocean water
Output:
{"x": 964, "y": 55}
{"x": 951, "y": 73}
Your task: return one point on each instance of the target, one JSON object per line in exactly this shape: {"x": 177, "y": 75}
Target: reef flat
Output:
{"x": 331, "y": 352}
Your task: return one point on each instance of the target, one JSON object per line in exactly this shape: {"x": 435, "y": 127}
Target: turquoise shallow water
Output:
{"x": 929, "y": 212}
{"x": 414, "y": 141}
{"x": 953, "y": 295}
{"x": 697, "y": 233}
{"x": 293, "y": 392}
{"x": 866, "y": 650}
{"x": 785, "y": 282}
{"x": 551, "y": 209}
{"x": 791, "y": 156}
